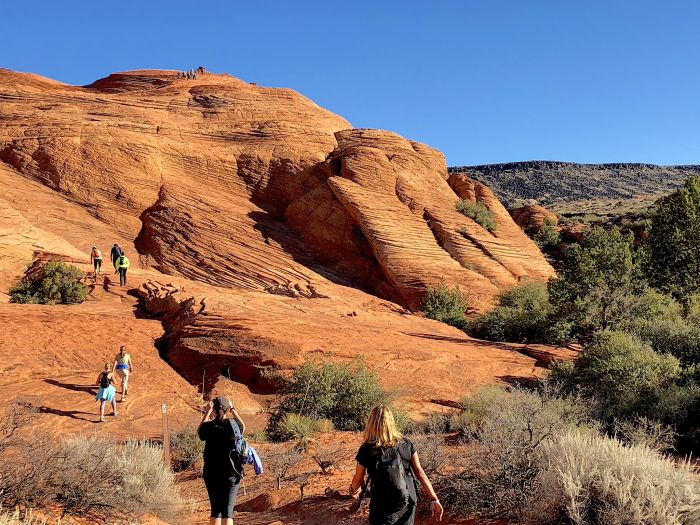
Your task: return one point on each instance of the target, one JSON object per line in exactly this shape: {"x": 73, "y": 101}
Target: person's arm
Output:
{"x": 237, "y": 417}
{"x": 205, "y": 418}
{"x": 357, "y": 480}
{"x": 435, "y": 506}
{"x": 131, "y": 365}
{"x": 114, "y": 365}
{"x": 99, "y": 376}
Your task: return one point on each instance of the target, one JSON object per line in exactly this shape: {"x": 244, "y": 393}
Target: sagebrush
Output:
{"x": 92, "y": 476}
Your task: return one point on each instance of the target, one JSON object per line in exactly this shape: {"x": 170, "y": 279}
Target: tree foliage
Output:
{"x": 56, "y": 282}
{"x": 673, "y": 259}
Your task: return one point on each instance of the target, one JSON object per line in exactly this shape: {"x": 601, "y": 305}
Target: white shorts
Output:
{"x": 124, "y": 374}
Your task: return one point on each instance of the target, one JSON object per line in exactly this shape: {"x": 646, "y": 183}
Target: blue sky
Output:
{"x": 482, "y": 80}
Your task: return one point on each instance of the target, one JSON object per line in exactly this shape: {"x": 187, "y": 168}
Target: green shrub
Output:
{"x": 679, "y": 406}
{"x": 473, "y": 410}
{"x": 642, "y": 431}
{"x": 56, "y": 282}
{"x": 523, "y": 315}
{"x": 258, "y": 436}
{"x": 301, "y": 429}
{"x": 677, "y": 337}
{"x": 595, "y": 480}
{"x": 185, "y": 448}
{"x": 446, "y": 305}
{"x": 623, "y": 375}
{"x": 323, "y": 426}
{"x": 548, "y": 235}
{"x": 342, "y": 393}
{"x": 478, "y": 213}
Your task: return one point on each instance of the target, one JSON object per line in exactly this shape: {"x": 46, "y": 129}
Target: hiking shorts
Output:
{"x": 97, "y": 263}
{"x": 222, "y": 495}
{"x": 123, "y": 373}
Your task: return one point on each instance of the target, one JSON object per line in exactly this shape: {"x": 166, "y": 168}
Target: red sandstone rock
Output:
{"x": 531, "y": 217}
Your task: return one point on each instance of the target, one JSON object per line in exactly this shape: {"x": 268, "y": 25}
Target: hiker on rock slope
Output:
{"x": 393, "y": 466}
{"x": 123, "y": 367}
{"x": 106, "y": 392}
{"x": 114, "y": 253}
{"x": 122, "y": 265}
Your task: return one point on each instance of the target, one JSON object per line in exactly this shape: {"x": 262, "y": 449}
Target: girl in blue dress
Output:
{"x": 107, "y": 391}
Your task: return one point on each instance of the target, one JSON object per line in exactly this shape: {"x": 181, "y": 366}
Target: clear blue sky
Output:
{"x": 482, "y": 80}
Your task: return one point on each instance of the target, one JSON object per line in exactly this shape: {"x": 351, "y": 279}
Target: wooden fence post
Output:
{"x": 166, "y": 436}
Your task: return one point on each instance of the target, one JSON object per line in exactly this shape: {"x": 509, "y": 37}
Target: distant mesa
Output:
{"x": 569, "y": 188}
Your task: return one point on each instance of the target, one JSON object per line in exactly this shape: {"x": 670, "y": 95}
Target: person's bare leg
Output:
{"x": 102, "y": 410}
{"x": 114, "y": 406}
{"x": 229, "y": 521}
{"x": 214, "y": 521}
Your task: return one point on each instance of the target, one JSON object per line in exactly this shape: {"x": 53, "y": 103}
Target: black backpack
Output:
{"x": 239, "y": 452}
{"x": 104, "y": 380}
{"x": 390, "y": 479}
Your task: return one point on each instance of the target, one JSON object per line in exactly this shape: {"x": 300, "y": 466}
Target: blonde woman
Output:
{"x": 392, "y": 463}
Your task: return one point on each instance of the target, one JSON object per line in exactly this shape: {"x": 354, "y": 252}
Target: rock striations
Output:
{"x": 248, "y": 190}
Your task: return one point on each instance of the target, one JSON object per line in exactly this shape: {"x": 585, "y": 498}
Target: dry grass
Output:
{"x": 93, "y": 477}
{"x": 600, "y": 481}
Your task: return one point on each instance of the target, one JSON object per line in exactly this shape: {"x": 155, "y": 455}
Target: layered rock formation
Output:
{"x": 272, "y": 218}
{"x": 242, "y": 186}
{"x": 532, "y": 216}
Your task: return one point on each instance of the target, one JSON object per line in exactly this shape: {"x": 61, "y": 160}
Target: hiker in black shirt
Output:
{"x": 392, "y": 463}
{"x": 220, "y": 476}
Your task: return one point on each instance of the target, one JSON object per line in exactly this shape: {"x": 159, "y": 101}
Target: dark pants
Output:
{"x": 222, "y": 495}
{"x": 406, "y": 516}
{"x": 122, "y": 276}
{"x": 97, "y": 263}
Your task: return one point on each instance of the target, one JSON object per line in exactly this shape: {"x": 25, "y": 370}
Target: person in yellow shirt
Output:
{"x": 122, "y": 265}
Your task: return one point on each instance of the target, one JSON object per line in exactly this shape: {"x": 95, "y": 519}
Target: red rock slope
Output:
{"x": 236, "y": 185}
{"x": 272, "y": 219}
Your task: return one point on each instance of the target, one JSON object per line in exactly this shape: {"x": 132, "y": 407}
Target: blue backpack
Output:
{"x": 239, "y": 452}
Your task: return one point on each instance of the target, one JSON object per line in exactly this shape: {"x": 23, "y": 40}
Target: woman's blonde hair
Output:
{"x": 380, "y": 429}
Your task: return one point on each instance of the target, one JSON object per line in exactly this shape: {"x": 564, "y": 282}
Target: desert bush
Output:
{"x": 57, "y": 282}
{"x": 91, "y": 476}
{"x": 326, "y": 456}
{"x": 509, "y": 431}
{"x": 446, "y": 305}
{"x": 323, "y": 426}
{"x": 523, "y": 314}
{"x": 15, "y": 518}
{"x": 548, "y": 235}
{"x": 623, "y": 376}
{"x": 186, "y": 448}
{"x": 258, "y": 436}
{"x": 299, "y": 428}
{"x": 679, "y": 406}
{"x": 597, "y": 480}
{"x": 342, "y": 393}
{"x": 478, "y": 213}
{"x": 431, "y": 448}
{"x": 280, "y": 462}
{"x": 473, "y": 410}
{"x": 675, "y": 336}
{"x": 599, "y": 285}
{"x": 642, "y": 431}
